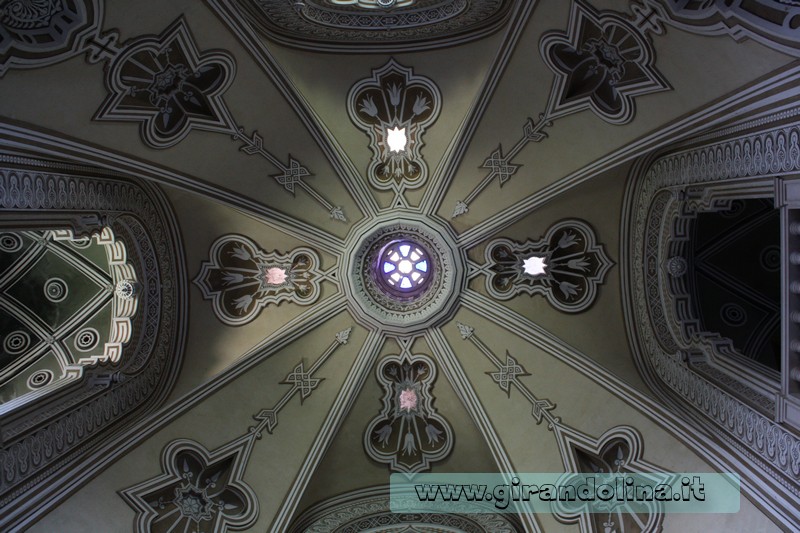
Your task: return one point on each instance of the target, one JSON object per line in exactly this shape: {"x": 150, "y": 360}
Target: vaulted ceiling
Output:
{"x": 270, "y": 129}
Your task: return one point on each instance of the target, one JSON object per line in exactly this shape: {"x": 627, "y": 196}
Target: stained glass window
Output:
{"x": 404, "y": 266}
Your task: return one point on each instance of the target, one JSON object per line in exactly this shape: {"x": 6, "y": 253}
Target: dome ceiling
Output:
{"x": 402, "y": 226}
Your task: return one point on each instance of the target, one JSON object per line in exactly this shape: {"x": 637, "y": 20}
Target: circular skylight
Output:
{"x": 404, "y": 266}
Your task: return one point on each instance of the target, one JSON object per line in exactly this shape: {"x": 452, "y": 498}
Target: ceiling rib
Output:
{"x": 452, "y": 369}
{"x": 59, "y": 148}
{"x": 362, "y": 368}
{"x": 451, "y": 160}
{"x": 342, "y": 164}
{"x": 755, "y": 99}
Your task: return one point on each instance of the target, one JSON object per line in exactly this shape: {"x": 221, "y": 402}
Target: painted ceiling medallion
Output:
{"x": 375, "y": 26}
{"x": 394, "y": 107}
{"x": 198, "y": 490}
{"x": 566, "y": 266}
{"x": 404, "y": 276}
{"x": 241, "y": 279}
{"x": 408, "y": 434}
{"x": 169, "y": 86}
{"x": 601, "y": 64}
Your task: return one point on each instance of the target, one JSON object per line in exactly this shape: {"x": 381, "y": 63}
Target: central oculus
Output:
{"x": 404, "y": 269}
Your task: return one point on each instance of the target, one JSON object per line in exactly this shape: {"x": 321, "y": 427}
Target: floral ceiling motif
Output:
{"x": 601, "y": 64}
{"x": 566, "y": 266}
{"x": 394, "y": 107}
{"x": 199, "y": 491}
{"x": 165, "y": 83}
{"x": 408, "y": 434}
{"x": 241, "y": 279}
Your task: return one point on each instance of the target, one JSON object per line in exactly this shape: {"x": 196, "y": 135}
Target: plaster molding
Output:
{"x": 423, "y": 25}
{"x": 48, "y": 445}
{"x": 757, "y": 444}
{"x": 368, "y": 509}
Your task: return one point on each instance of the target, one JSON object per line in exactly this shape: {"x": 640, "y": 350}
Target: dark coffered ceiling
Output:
{"x": 261, "y": 162}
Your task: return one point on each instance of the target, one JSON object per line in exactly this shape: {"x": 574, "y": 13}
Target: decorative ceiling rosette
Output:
{"x": 394, "y": 107}
{"x": 408, "y": 434}
{"x": 601, "y": 63}
{"x": 241, "y": 279}
{"x": 198, "y": 489}
{"x": 165, "y": 83}
{"x": 565, "y": 266}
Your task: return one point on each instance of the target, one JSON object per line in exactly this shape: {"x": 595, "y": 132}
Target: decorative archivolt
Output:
{"x": 695, "y": 370}
{"x": 375, "y": 26}
{"x": 369, "y": 510}
{"x": 773, "y": 23}
{"x": 44, "y": 32}
{"x": 48, "y": 439}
